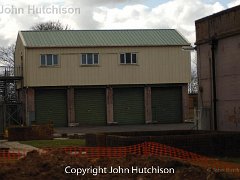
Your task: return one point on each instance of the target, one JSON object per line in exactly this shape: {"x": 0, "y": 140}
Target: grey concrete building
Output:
{"x": 218, "y": 48}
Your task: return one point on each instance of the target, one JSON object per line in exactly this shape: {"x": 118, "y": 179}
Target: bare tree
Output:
{"x": 50, "y": 26}
{"x": 193, "y": 85}
{"x": 7, "y": 55}
{"x": 6, "y": 68}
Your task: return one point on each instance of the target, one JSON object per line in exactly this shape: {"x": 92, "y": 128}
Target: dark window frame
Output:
{"x": 128, "y": 58}
{"x": 89, "y": 59}
{"x": 49, "y": 60}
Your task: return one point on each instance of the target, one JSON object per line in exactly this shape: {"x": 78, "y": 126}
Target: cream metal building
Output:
{"x": 100, "y": 77}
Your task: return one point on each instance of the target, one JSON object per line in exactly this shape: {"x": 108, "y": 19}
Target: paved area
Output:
{"x": 123, "y": 128}
{"x": 16, "y": 147}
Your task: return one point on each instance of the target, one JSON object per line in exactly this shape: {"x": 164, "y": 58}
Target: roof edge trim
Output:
{"x": 22, "y": 38}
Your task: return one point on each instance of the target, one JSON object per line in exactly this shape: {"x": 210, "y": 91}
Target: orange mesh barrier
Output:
{"x": 146, "y": 149}
{"x": 98, "y": 152}
{"x": 8, "y": 157}
{"x": 152, "y": 148}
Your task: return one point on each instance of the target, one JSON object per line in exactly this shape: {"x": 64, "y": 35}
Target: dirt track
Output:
{"x": 52, "y": 166}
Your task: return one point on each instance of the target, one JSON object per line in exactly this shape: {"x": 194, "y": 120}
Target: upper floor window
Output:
{"x": 128, "y": 58}
{"x": 49, "y": 60}
{"x": 90, "y": 59}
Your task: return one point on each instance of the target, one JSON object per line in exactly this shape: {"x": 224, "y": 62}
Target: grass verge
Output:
{"x": 230, "y": 159}
{"x": 54, "y": 143}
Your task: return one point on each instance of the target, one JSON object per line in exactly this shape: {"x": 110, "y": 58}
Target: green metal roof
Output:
{"x": 96, "y": 38}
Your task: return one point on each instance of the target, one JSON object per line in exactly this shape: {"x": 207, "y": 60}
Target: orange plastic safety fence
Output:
{"x": 157, "y": 149}
{"x": 146, "y": 149}
{"x": 8, "y": 156}
{"x": 98, "y": 152}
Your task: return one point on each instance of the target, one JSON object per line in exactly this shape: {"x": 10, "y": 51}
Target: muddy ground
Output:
{"x": 52, "y": 166}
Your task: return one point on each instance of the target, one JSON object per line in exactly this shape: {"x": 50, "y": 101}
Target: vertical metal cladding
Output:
{"x": 128, "y": 105}
{"x": 167, "y": 104}
{"x": 51, "y": 106}
{"x": 90, "y": 106}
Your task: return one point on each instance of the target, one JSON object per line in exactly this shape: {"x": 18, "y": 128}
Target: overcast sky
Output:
{"x": 16, "y": 15}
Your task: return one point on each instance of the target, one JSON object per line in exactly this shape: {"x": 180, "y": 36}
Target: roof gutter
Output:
{"x": 105, "y": 46}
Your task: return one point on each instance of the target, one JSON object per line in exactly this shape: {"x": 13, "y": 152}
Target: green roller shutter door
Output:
{"x": 51, "y": 106}
{"x": 167, "y": 105}
{"x": 128, "y": 105}
{"x": 90, "y": 106}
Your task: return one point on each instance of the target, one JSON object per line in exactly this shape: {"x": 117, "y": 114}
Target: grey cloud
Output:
{"x": 179, "y": 14}
{"x": 96, "y": 3}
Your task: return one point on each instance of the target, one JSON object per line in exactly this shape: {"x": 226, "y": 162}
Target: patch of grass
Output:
{"x": 231, "y": 159}
{"x": 54, "y": 143}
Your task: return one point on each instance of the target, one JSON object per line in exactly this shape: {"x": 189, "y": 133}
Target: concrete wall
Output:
{"x": 228, "y": 83}
{"x": 185, "y": 102}
{"x": 224, "y": 27}
{"x": 192, "y": 103}
{"x": 219, "y": 25}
